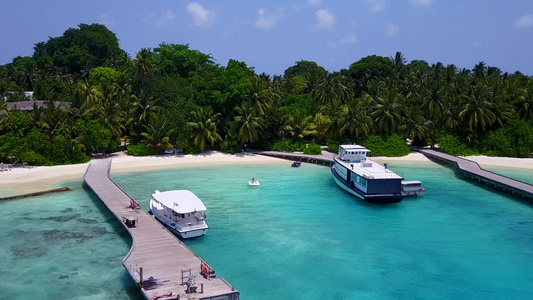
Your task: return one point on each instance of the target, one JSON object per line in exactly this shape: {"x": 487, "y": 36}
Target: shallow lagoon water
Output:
{"x": 297, "y": 236}
{"x": 62, "y": 246}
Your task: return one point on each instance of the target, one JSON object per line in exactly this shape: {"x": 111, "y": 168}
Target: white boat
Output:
{"x": 364, "y": 178}
{"x": 181, "y": 211}
{"x": 253, "y": 182}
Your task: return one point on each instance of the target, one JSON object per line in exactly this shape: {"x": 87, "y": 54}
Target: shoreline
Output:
{"x": 35, "y": 179}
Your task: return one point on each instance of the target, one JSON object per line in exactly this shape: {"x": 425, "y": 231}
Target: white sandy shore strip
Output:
{"x": 27, "y": 180}
{"x": 487, "y": 162}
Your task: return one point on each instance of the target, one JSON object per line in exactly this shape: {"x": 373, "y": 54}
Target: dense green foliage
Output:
{"x": 392, "y": 145}
{"x": 143, "y": 150}
{"x": 289, "y": 146}
{"x": 313, "y": 149}
{"x": 173, "y": 96}
{"x": 452, "y": 145}
{"x": 514, "y": 139}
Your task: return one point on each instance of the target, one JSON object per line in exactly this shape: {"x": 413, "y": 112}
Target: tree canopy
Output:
{"x": 172, "y": 95}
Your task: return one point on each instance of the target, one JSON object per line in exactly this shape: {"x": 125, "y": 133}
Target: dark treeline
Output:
{"x": 174, "y": 96}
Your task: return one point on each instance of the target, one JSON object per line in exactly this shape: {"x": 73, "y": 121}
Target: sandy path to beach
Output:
{"x": 27, "y": 180}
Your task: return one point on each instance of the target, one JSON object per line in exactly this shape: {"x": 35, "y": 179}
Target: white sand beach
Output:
{"x": 33, "y": 179}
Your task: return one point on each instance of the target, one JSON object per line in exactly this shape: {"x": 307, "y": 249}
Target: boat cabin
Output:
{"x": 353, "y": 153}
{"x": 178, "y": 206}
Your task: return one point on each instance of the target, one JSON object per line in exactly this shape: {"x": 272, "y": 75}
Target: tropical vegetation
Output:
{"x": 173, "y": 96}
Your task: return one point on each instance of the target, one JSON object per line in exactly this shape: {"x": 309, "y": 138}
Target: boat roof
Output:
{"x": 181, "y": 201}
{"x": 354, "y": 147}
{"x": 411, "y": 182}
{"x": 369, "y": 169}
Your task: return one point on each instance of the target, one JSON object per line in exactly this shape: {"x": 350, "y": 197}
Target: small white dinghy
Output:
{"x": 253, "y": 182}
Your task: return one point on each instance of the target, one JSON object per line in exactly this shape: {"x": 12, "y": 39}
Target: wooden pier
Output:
{"x": 471, "y": 169}
{"x": 158, "y": 262}
{"x": 326, "y": 158}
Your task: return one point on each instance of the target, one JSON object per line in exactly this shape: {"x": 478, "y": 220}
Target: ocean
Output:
{"x": 297, "y": 236}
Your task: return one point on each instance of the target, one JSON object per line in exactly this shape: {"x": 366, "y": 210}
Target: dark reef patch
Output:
{"x": 22, "y": 252}
{"x": 62, "y": 218}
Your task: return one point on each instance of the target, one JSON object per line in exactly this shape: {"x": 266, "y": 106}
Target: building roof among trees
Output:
{"x": 29, "y": 105}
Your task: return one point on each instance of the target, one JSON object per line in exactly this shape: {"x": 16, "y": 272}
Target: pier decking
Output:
{"x": 326, "y": 158}
{"x": 471, "y": 169}
{"x": 157, "y": 261}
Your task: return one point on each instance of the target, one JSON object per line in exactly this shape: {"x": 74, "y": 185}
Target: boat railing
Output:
{"x": 388, "y": 166}
{"x": 375, "y": 175}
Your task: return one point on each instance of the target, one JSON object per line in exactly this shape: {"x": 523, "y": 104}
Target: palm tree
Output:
{"x": 54, "y": 121}
{"x": 260, "y": 95}
{"x": 355, "y": 119}
{"x": 414, "y": 126}
{"x": 325, "y": 126}
{"x": 204, "y": 126}
{"x": 478, "y": 111}
{"x": 300, "y": 125}
{"x": 503, "y": 110}
{"x": 434, "y": 102}
{"x": 144, "y": 108}
{"x": 326, "y": 92}
{"x": 89, "y": 93}
{"x": 114, "y": 117}
{"x": 247, "y": 123}
{"x": 399, "y": 59}
{"x": 144, "y": 63}
{"x": 480, "y": 70}
{"x": 388, "y": 110}
{"x": 524, "y": 103}
{"x": 157, "y": 134}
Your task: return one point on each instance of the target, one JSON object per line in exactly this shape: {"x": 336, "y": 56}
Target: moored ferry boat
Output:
{"x": 181, "y": 211}
{"x": 364, "y": 178}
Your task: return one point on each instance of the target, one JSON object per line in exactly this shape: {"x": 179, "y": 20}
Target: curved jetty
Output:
{"x": 159, "y": 263}
{"x": 471, "y": 169}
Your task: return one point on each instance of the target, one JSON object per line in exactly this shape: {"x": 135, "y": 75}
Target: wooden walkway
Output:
{"x": 326, "y": 158}
{"x": 155, "y": 251}
{"x": 471, "y": 169}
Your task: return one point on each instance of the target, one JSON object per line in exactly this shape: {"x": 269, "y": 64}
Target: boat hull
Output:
{"x": 386, "y": 198}
{"x": 185, "y": 234}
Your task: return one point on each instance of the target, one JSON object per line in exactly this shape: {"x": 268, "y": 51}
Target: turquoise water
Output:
{"x": 297, "y": 236}
{"x": 518, "y": 175}
{"x": 62, "y": 246}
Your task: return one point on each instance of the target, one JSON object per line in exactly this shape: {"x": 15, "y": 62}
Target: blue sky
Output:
{"x": 272, "y": 35}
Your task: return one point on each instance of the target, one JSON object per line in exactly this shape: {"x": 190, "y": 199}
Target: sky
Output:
{"x": 271, "y": 36}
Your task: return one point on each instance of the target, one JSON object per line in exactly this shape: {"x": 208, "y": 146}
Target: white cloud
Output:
{"x": 165, "y": 18}
{"x": 314, "y": 2}
{"x": 324, "y": 20}
{"x": 107, "y": 20}
{"x": 201, "y": 17}
{"x": 524, "y": 21}
{"x": 375, "y": 5}
{"x": 267, "y": 20}
{"x": 349, "y": 38}
{"x": 391, "y": 30}
{"x": 421, "y": 2}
